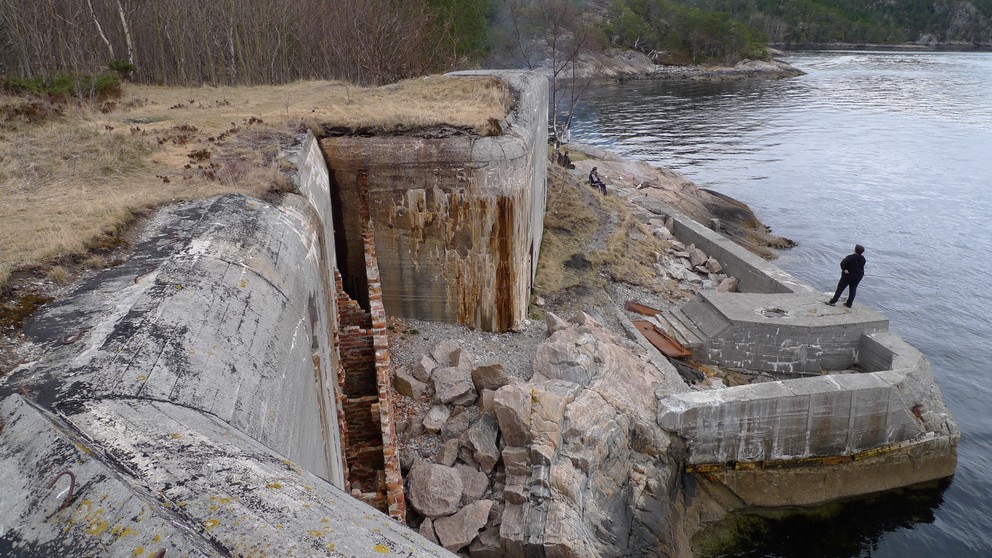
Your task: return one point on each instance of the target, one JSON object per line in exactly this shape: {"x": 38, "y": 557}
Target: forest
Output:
{"x": 60, "y": 46}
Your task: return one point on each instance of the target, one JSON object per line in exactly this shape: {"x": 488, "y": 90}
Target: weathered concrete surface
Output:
{"x": 789, "y": 333}
{"x": 193, "y": 386}
{"x": 458, "y": 219}
{"x": 154, "y": 475}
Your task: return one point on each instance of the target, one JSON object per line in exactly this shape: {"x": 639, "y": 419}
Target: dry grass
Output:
{"x": 72, "y": 182}
{"x": 631, "y": 250}
{"x": 569, "y": 226}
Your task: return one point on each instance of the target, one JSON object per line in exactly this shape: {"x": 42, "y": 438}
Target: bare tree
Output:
{"x": 556, "y": 30}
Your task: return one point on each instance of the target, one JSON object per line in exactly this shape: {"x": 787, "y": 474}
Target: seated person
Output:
{"x": 596, "y": 181}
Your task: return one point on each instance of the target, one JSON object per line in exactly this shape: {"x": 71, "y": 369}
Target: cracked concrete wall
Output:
{"x": 457, "y": 220}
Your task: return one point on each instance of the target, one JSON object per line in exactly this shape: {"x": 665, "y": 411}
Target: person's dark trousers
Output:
{"x": 844, "y": 283}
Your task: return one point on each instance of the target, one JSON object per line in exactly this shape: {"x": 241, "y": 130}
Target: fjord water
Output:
{"x": 890, "y": 150}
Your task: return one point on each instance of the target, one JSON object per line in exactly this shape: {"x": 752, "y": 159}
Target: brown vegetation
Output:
{"x": 228, "y": 41}
{"x": 73, "y": 176}
{"x": 590, "y": 240}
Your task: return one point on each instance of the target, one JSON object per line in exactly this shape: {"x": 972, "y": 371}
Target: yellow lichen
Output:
{"x": 99, "y": 528}
{"x": 382, "y": 549}
{"x": 138, "y": 551}
{"x": 210, "y": 524}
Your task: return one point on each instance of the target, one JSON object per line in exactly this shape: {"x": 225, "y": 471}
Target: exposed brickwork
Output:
{"x": 371, "y": 452}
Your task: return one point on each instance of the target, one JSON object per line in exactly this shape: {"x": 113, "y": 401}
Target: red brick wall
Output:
{"x": 370, "y": 435}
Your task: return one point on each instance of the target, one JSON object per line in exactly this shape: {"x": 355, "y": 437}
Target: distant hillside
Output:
{"x": 810, "y": 22}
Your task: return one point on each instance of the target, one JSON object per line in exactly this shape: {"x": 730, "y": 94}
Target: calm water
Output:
{"x": 890, "y": 150}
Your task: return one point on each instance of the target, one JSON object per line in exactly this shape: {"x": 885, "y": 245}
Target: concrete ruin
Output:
{"x": 855, "y": 399}
{"x": 227, "y": 390}
{"x": 457, "y": 218}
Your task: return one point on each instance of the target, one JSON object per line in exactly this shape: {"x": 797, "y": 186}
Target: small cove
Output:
{"x": 890, "y": 150}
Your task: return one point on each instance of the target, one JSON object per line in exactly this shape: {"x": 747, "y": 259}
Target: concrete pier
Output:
{"x": 858, "y": 409}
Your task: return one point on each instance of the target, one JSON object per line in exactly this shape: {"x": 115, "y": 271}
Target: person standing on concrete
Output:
{"x": 852, "y": 269}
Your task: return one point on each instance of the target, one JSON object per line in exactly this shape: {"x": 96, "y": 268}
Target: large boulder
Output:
{"x": 453, "y": 384}
{"x": 457, "y": 531}
{"x": 434, "y": 490}
{"x": 591, "y": 476}
{"x": 489, "y": 376}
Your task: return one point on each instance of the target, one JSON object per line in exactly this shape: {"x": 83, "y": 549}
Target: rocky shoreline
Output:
{"x": 616, "y": 64}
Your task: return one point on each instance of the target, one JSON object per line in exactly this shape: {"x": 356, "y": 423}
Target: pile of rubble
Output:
{"x": 490, "y": 458}
{"x": 688, "y": 264}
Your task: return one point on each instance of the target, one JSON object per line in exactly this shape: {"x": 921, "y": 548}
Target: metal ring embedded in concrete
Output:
{"x": 72, "y": 486}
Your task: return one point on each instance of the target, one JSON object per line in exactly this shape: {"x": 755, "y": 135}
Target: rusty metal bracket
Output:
{"x": 72, "y": 486}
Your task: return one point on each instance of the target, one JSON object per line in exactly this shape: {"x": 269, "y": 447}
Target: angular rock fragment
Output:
{"x": 513, "y": 404}
{"x": 461, "y": 358}
{"x": 422, "y": 370}
{"x": 728, "y": 285}
{"x": 482, "y": 440}
{"x": 696, "y": 256}
{"x": 554, "y": 322}
{"x": 427, "y": 531}
{"x": 487, "y": 544}
{"x": 713, "y": 266}
{"x": 457, "y": 531}
{"x": 474, "y": 483}
{"x": 435, "y": 419}
{"x": 516, "y": 460}
{"x": 486, "y": 398}
{"x": 489, "y": 376}
{"x": 442, "y": 352}
{"x": 452, "y": 383}
{"x": 448, "y": 453}
{"x": 407, "y": 385}
{"x": 435, "y": 490}
{"x": 455, "y": 426}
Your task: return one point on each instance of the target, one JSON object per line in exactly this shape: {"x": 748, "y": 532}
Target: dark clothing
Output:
{"x": 596, "y": 181}
{"x": 852, "y": 271}
{"x": 854, "y": 265}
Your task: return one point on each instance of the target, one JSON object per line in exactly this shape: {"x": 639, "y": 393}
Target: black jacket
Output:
{"x": 854, "y": 265}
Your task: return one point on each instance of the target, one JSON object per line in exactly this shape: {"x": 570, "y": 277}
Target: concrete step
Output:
{"x": 679, "y": 326}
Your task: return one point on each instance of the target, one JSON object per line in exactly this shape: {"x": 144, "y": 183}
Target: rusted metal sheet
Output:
{"x": 662, "y": 341}
{"x": 641, "y": 309}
